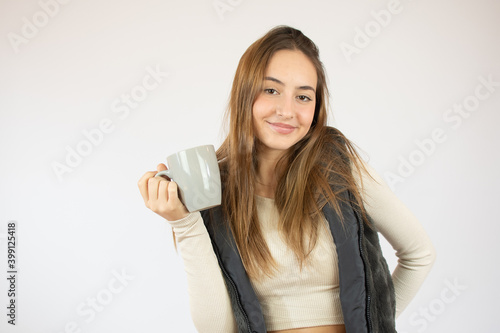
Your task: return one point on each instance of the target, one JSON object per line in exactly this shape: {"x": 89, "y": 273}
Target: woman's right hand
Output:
{"x": 161, "y": 195}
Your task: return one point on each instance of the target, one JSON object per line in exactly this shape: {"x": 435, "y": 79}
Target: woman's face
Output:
{"x": 283, "y": 111}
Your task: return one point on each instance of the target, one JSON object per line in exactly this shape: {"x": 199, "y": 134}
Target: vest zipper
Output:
{"x": 367, "y": 285}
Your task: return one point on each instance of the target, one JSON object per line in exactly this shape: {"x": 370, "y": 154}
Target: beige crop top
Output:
{"x": 293, "y": 298}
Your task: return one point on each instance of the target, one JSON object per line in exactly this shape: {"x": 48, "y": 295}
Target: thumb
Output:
{"x": 161, "y": 167}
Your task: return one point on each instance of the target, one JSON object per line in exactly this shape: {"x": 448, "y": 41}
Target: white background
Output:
{"x": 78, "y": 229}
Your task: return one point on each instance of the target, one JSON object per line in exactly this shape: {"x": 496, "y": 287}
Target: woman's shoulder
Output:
{"x": 332, "y": 131}
{"x": 334, "y": 135}
{"x": 334, "y": 143}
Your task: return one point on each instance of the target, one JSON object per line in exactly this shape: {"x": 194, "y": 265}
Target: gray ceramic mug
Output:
{"x": 197, "y": 175}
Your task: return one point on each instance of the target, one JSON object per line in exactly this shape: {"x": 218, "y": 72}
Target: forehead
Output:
{"x": 292, "y": 67}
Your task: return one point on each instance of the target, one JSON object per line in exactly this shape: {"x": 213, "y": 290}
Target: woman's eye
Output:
{"x": 304, "y": 98}
{"x": 271, "y": 91}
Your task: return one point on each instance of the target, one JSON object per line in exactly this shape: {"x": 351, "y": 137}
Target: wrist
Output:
{"x": 185, "y": 221}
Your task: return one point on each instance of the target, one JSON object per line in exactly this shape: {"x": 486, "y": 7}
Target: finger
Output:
{"x": 172, "y": 191}
{"x": 153, "y": 188}
{"x": 143, "y": 185}
{"x": 162, "y": 191}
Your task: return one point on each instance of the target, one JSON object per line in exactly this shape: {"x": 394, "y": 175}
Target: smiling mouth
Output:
{"x": 282, "y": 128}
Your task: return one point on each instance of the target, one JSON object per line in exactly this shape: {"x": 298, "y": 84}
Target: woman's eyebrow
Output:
{"x": 270, "y": 78}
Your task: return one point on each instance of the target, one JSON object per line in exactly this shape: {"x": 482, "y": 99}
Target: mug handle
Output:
{"x": 164, "y": 173}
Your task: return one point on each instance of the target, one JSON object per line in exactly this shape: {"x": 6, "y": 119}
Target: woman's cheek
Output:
{"x": 306, "y": 116}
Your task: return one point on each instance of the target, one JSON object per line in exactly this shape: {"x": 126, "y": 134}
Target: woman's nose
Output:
{"x": 284, "y": 108}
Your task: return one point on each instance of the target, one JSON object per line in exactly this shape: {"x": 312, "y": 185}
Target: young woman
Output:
{"x": 294, "y": 246}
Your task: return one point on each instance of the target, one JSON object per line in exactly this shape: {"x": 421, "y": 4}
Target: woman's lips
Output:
{"x": 282, "y": 128}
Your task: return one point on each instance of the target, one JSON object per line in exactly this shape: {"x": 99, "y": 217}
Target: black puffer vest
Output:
{"x": 366, "y": 289}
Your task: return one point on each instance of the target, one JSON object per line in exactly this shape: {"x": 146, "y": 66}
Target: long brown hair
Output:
{"x": 322, "y": 160}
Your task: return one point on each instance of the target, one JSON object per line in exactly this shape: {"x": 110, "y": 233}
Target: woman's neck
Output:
{"x": 267, "y": 177}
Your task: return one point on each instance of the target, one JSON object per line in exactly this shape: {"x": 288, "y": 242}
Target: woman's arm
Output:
{"x": 208, "y": 297}
{"x": 403, "y": 231}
